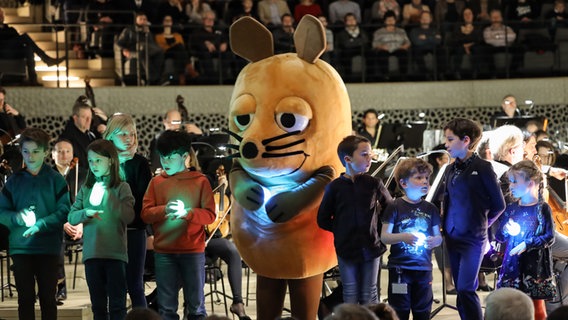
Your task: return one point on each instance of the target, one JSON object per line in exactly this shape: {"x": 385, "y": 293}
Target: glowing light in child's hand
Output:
{"x": 512, "y": 228}
{"x": 178, "y": 209}
{"x": 97, "y": 193}
{"x": 29, "y": 217}
{"x": 421, "y": 239}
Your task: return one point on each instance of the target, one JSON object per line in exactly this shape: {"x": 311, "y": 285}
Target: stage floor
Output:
{"x": 77, "y": 305}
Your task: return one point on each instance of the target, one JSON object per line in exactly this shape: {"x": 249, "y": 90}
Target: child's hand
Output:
{"x": 31, "y": 231}
{"x": 512, "y": 228}
{"x": 176, "y": 210}
{"x": 409, "y": 238}
{"x": 432, "y": 242}
{"x": 27, "y": 218}
{"x": 520, "y": 248}
{"x": 92, "y": 213}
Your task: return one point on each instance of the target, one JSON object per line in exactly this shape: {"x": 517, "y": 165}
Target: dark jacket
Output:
{"x": 79, "y": 140}
{"x": 138, "y": 176}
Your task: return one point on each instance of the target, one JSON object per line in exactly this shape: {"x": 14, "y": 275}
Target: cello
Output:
{"x": 559, "y": 209}
{"x": 222, "y": 208}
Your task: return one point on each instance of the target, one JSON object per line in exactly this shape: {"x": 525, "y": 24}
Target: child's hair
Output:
{"x": 383, "y": 311}
{"x": 409, "y": 167}
{"x": 433, "y": 157}
{"x": 37, "y": 135}
{"x": 462, "y": 127}
{"x": 106, "y": 149}
{"x": 529, "y": 171}
{"x": 351, "y": 311}
{"x": 117, "y": 122}
{"x": 170, "y": 142}
{"x": 348, "y": 145}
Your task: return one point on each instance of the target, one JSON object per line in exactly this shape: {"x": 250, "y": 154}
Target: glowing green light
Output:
{"x": 97, "y": 193}
{"x": 29, "y": 217}
{"x": 178, "y": 209}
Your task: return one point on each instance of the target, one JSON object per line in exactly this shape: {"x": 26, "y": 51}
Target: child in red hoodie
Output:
{"x": 178, "y": 204}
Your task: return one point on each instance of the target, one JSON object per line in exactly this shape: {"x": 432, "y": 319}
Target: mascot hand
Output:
{"x": 248, "y": 193}
{"x": 285, "y": 205}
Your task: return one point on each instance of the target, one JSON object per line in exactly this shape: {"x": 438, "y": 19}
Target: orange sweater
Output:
{"x": 165, "y": 45}
{"x": 180, "y": 235}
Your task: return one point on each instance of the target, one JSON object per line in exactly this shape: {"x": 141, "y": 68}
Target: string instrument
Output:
{"x": 559, "y": 208}
{"x": 8, "y": 136}
{"x": 222, "y": 207}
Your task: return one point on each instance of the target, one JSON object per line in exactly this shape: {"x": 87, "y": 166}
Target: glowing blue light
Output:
{"x": 421, "y": 239}
{"x": 512, "y": 228}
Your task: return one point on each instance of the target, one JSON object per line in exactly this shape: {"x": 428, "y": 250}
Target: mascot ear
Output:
{"x": 250, "y": 39}
{"x": 309, "y": 39}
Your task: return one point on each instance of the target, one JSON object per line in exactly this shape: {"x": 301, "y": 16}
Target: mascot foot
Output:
{"x": 238, "y": 309}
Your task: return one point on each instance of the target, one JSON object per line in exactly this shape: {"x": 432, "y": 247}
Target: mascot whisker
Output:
{"x": 288, "y": 112}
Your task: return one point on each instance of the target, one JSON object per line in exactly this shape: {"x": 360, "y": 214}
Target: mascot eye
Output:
{"x": 243, "y": 121}
{"x": 292, "y": 122}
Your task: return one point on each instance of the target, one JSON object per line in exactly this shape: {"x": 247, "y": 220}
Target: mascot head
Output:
{"x": 288, "y": 111}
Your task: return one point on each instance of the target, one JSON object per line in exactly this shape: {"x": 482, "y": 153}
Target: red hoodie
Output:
{"x": 185, "y": 235}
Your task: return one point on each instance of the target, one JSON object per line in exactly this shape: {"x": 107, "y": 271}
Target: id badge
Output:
{"x": 399, "y": 288}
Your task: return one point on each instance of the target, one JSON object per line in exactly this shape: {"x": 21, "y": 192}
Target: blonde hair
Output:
{"x": 503, "y": 139}
{"x": 118, "y": 122}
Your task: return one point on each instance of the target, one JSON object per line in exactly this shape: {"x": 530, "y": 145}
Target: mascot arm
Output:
{"x": 285, "y": 205}
{"x": 247, "y": 192}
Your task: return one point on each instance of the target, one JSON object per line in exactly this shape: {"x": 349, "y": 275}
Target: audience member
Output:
{"x": 172, "y": 8}
{"x": 138, "y": 42}
{"x": 284, "y": 35}
{"x": 411, "y": 12}
{"x": 500, "y": 38}
{"x": 350, "y": 42}
{"x": 17, "y": 46}
{"x": 425, "y": 40}
{"x": 508, "y": 303}
{"x": 101, "y": 17}
{"x": 380, "y": 7}
{"x": 174, "y": 51}
{"x": 328, "y": 54}
{"x": 483, "y": 8}
{"x": 307, "y": 7}
{"x": 148, "y": 7}
{"x": 209, "y": 42}
{"x": 466, "y": 41}
{"x": 447, "y": 13}
{"x": 270, "y": 12}
{"x": 524, "y": 12}
{"x": 339, "y": 9}
{"x": 241, "y": 8}
{"x": 557, "y": 17}
{"x": 390, "y": 41}
{"x": 194, "y": 10}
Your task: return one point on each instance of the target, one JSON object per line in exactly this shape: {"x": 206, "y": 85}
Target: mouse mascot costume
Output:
{"x": 288, "y": 113}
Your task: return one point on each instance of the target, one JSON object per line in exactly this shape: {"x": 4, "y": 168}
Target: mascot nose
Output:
{"x": 249, "y": 150}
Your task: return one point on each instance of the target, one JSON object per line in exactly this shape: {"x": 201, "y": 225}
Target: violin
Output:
{"x": 222, "y": 207}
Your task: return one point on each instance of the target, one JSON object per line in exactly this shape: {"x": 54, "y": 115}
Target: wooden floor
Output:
{"x": 77, "y": 305}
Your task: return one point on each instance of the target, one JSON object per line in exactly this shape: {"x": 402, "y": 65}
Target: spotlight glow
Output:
{"x": 179, "y": 208}
{"x": 97, "y": 193}
{"x": 29, "y": 216}
{"x": 512, "y": 228}
{"x": 421, "y": 239}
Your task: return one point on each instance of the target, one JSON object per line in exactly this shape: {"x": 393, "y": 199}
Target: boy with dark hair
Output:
{"x": 472, "y": 202}
{"x": 35, "y": 220}
{"x": 411, "y": 226}
{"x": 350, "y": 209}
{"x": 178, "y": 204}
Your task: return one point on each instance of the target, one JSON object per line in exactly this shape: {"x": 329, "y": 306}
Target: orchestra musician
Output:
{"x": 12, "y": 123}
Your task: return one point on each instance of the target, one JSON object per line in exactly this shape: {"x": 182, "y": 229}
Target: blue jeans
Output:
{"x": 173, "y": 269}
{"x": 419, "y": 297}
{"x": 135, "y": 267}
{"x": 359, "y": 280}
{"x": 106, "y": 279}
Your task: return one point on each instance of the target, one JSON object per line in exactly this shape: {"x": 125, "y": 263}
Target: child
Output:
{"x": 104, "y": 206}
{"x": 472, "y": 202}
{"x": 121, "y": 130}
{"x": 178, "y": 204}
{"x": 33, "y": 206}
{"x": 525, "y": 225}
{"x": 412, "y": 227}
{"x": 350, "y": 209}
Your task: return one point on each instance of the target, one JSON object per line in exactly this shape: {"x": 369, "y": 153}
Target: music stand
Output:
{"x": 409, "y": 134}
{"x": 521, "y": 122}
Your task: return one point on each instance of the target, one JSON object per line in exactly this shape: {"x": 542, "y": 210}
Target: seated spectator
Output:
{"x": 327, "y": 56}
{"x": 411, "y": 12}
{"x": 194, "y": 10}
{"x": 523, "y": 13}
{"x": 307, "y": 7}
{"x": 241, "y": 8}
{"x": 447, "y": 13}
{"x": 146, "y": 6}
{"x": 16, "y": 46}
{"x": 466, "y": 41}
{"x": 210, "y": 42}
{"x": 501, "y": 38}
{"x": 138, "y": 42}
{"x": 350, "y": 42}
{"x": 174, "y": 50}
{"x": 508, "y": 303}
{"x": 482, "y": 8}
{"x": 380, "y": 7}
{"x": 339, "y": 8}
{"x": 270, "y": 12}
{"x": 390, "y": 41}
{"x": 172, "y": 8}
{"x": 284, "y": 35}
{"x": 425, "y": 39}
{"x": 102, "y": 20}
{"x": 557, "y": 17}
